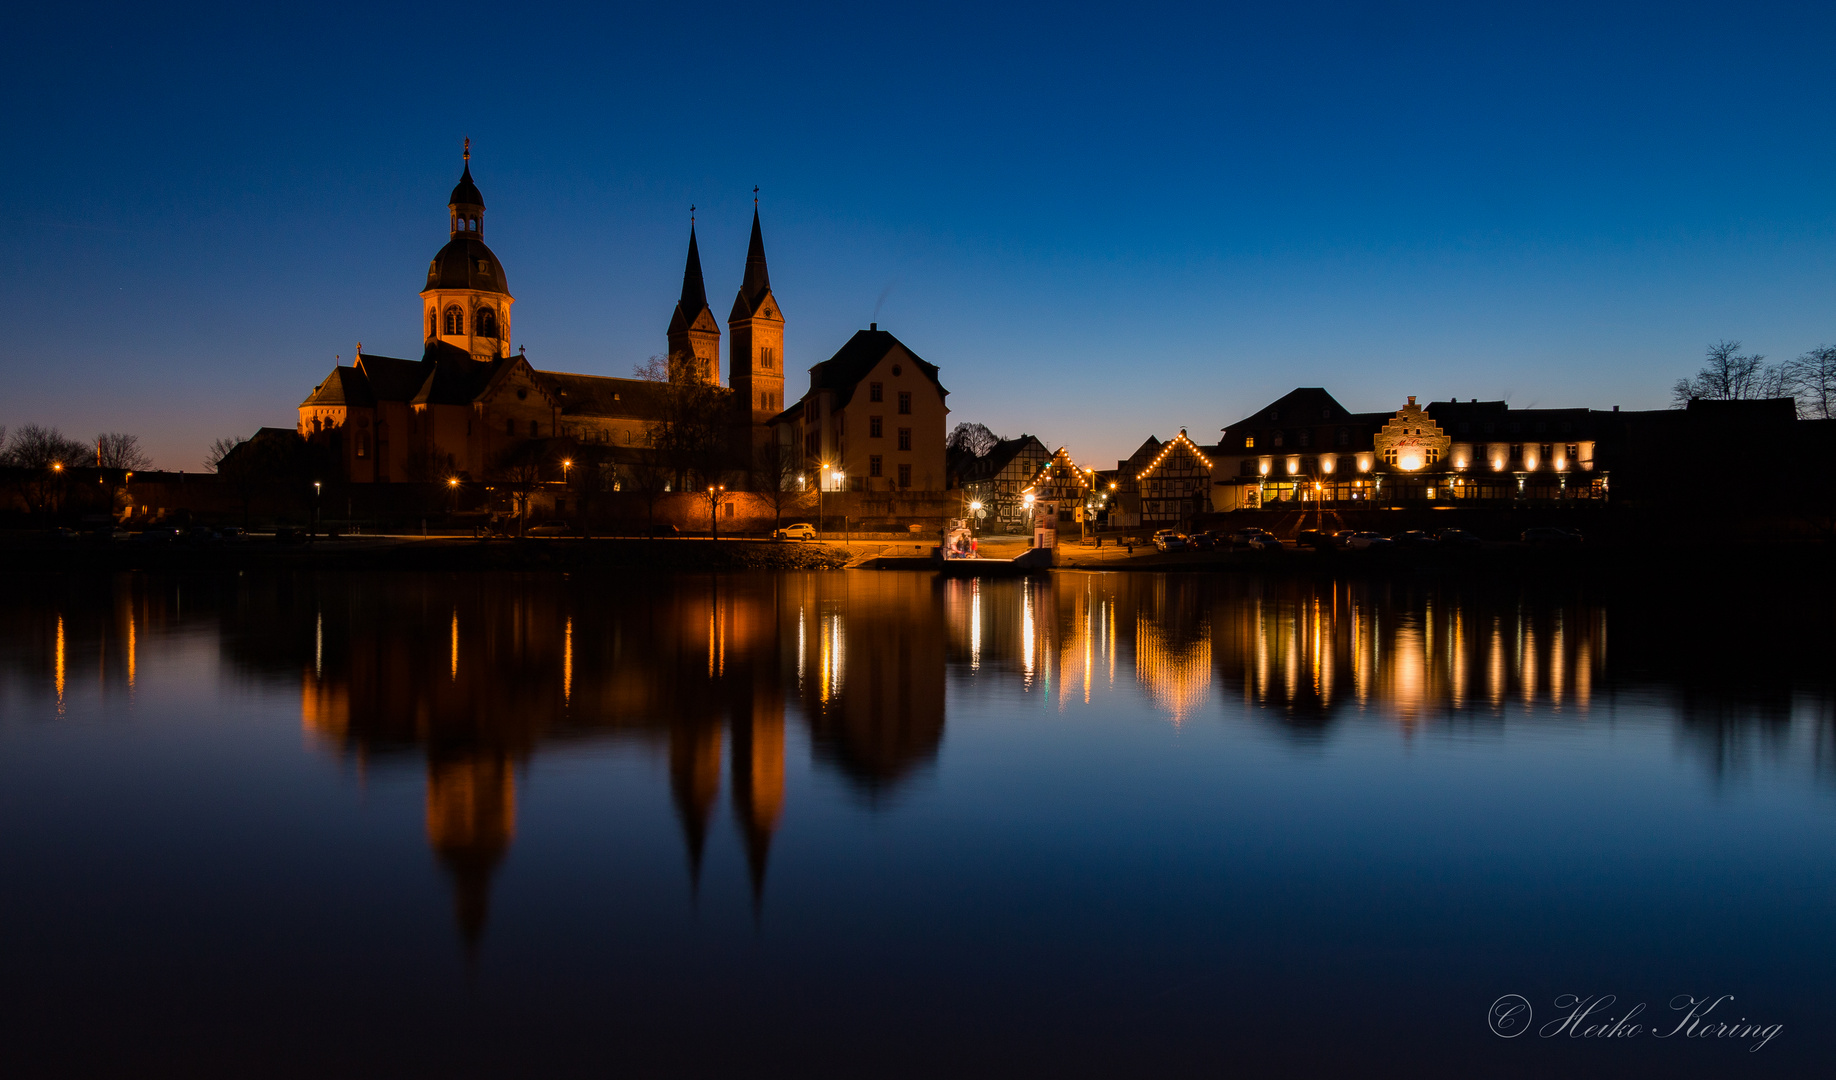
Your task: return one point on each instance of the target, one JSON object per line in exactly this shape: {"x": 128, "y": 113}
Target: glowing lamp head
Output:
{"x": 1265, "y": 468}
{"x": 57, "y": 466}
{"x": 452, "y": 481}
{"x": 1409, "y": 462}
{"x": 975, "y": 506}
{"x": 1028, "y": 498}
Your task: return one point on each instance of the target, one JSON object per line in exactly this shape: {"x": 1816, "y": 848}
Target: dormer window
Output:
{"x": 1249, "y": 442}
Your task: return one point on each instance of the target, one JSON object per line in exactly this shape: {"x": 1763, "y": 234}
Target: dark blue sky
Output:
{"x": 1102, "y": 222}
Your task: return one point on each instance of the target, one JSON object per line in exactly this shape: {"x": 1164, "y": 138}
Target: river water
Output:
{"x": 886, "y": 824}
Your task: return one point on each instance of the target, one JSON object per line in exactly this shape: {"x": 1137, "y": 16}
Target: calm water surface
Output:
{"x": 865, "y": 824}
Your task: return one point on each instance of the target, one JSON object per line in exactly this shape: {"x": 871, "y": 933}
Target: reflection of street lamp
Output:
{"x": 820, "y": 470}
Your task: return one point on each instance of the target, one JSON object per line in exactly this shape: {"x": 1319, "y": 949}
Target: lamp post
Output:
{"x": 316, "y": 492}
{"x": 452, "y": 485}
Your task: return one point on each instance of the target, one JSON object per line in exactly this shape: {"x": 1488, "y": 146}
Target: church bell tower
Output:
{"x": 466, "y": 303}
{"x": 755, "y": 350}
{"x": 694, "y": 336}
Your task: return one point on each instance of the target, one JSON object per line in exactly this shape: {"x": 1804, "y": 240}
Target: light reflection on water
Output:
{"x": 477, "y": 676}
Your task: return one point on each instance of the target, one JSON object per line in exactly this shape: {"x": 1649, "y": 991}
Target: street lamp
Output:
{"x": 316, "y": 491}
{"x": 452, "y": 485}
{"x": 566, "y": 464}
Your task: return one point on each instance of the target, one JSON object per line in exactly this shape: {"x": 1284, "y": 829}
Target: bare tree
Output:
{"x": 775, "y": 466}
{"x": 35, "y": 447}
{"x": 1729, "y": 376}
{"x": 220, "y": 449}
{"x": 116, "y": 450}
{"x": 973, "y": 439}
{"x": 1811, "y": 378}
{"x": 518, "y": 470}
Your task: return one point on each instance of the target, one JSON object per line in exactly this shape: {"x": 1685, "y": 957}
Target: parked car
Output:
{"x": 1169, "y": 540}
{"x": 287, "y": 534}
{"x": 232, "y": 532}
{"x": 1416, "y": 538}
{"x": 803, "y": 530}
{"x": 550, "y": 528}
{"x": 1365, "y": 541}
{"x": 662, "y": 528}
{"x": 199, "y": 534}
{"x": 157, "y": 534}
{"x": 1550, "y": 535}
{"x": 1318, "y": 539}
{"x": 1457, "y": 538}
{"x": 1243, "y": 537}
{"x": 1262, "y": 541}
{"x": 1203, "y": 541}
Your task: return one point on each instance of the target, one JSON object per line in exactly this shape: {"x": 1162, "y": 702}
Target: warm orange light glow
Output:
{"x": 452, "y": 481}
{"x": 1409, "y": 462}
{"x": 57, "y": 466}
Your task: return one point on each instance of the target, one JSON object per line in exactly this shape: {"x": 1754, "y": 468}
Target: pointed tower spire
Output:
{"x": 758, "y": 279}
{"x": 755, "y": 347}
{"x": 694, "y": 292}
{"x": 694, "y": 336}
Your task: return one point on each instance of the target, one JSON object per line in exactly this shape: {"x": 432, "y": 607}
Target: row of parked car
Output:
{"x": 1255, "y": 539}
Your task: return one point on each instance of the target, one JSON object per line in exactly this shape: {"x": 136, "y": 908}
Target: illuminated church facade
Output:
{"x": 471, "y": 395}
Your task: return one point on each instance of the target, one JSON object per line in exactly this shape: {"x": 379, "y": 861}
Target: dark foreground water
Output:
{"x": 879, "y": 824}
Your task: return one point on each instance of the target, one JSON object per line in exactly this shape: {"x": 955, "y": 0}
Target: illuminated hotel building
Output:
{"x": 1306, "y": 447}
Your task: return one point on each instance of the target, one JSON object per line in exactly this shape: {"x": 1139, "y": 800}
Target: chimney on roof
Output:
{"x": 1411, "y": 399}
{"x": 873, "y": 326}
{"x": 1615, "y": 408}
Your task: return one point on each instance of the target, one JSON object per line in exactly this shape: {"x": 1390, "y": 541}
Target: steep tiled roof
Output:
{"x": 392, "y": 378}
{"x": 842, "y": 372}
{"x": 1301, "y": 406}
{"x": 601, "y": 395}
{"x": 344, "y": 386}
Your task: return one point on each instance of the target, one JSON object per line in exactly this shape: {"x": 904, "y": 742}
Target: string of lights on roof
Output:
{"x": 1085, "y": 478}
{"x": 1168, "y": 449}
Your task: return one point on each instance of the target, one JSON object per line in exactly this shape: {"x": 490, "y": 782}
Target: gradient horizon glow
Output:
{"x": 1102, "y": 223}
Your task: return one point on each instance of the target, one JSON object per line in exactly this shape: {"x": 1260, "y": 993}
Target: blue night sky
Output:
{"x": 1103, "y": 223}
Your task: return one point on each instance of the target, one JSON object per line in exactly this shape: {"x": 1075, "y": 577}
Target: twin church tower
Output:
{"x": 467, "y": 301}
{"x": 755, "y": 347}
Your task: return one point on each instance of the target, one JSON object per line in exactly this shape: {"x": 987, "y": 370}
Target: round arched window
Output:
{"x": 455, "y": 321}
{"x": 486, "y": 323}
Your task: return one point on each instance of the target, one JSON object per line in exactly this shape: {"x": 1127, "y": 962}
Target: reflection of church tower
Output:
{"x": 471, "y": 817}
{"x": 466, "y": 303}
{"x": 755, "y": 349}
{"x": 758, "y": 779}
{"x": 694, "y": 336}
{"x": 694, "y": 781}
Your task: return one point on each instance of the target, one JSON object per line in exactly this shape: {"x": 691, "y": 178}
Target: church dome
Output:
{"x": 465, "y": 263}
